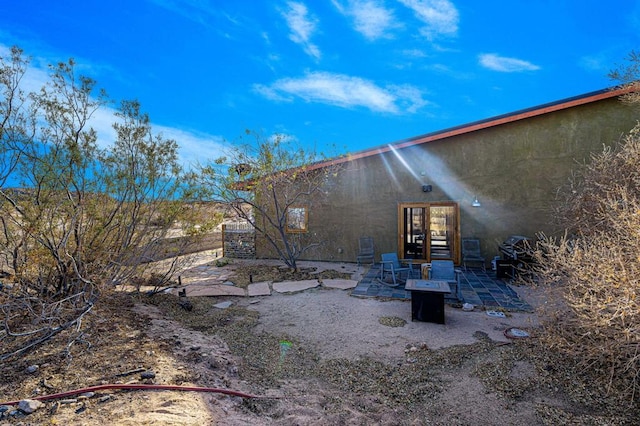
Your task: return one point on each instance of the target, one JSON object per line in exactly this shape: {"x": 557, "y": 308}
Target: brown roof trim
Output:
{"x": 482, "y": 124}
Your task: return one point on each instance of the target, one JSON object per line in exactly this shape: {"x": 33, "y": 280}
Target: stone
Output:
{"x": 223, "y": 305}
{"x": 28, "y": 406}
{"x": 340, "y": 284}
{"x": 4, "y": 409}
{"x": 294, "y": 286}
{"x": 147, "y": 375}
{"x": 32, "y": 369}
{"x": 215, "y": 290}
{"x": 259, "y": 289}
{"x": 105, "y": 398}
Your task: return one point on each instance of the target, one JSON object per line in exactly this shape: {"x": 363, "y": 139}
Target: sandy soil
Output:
{"x": 341, "y": 326}
{"x": 343, "y": 331}
{"x": 338, "y": 326}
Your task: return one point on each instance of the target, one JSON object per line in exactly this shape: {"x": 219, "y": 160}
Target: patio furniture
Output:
{"x": 390, "y": 264}
{"x": 444, "y": 270}
{"x": 427, "y": 299}
{"x": 366, "y": 252}
{"x": 471, "y": 253}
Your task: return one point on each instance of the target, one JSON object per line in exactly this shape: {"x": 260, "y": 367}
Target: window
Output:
{"x": 297, "y": 219}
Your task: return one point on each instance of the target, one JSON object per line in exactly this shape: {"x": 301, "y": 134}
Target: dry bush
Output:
{"x": 595, "y": 269}
{"x": 76, "y": 218}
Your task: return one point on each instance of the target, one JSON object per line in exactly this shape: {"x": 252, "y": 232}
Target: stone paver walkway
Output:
{"x": 479, "y": 288}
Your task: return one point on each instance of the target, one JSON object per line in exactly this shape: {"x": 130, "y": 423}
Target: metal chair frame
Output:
{"x": 445, "y": 270}
{"x": 471, "y": 253}
{"x": 390, "y": 264}
{"x": 366, "y": 250}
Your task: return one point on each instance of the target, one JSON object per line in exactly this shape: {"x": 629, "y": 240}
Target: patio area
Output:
{"x": 479, "y": 288}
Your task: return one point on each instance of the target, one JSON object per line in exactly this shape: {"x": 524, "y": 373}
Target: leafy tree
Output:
{"x": 269, "y": 183}
{"x": 593, "y": 272}
{"x": 75, "y": 218}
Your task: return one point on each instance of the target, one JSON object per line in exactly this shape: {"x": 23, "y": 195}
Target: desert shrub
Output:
{"x": 76, "y": 217}
{"x": 594, "y": 269}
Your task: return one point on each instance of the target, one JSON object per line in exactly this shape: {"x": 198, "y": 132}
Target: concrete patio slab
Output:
{"x": 201, "y": 280}
{"x": 294, "y": 286}
{"x": 259, "y": 289}
{"x": 340, "y": 284}
{"x": 214, "y": 290}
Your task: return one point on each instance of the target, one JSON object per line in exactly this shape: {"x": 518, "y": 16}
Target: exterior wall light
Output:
{"x": 475, "y": 202}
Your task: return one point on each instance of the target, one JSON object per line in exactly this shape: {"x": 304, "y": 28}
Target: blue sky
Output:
{"x": 337, "y": 76}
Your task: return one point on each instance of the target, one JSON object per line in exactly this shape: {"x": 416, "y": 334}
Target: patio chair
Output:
{"x": 471, "y": 253}
{"x": 446, "y": 271}
{"x": 365, "y": 253}
{"x": 392, "y": 265}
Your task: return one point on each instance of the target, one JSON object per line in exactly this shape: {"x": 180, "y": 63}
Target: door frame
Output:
{"x": 456, "y": 250}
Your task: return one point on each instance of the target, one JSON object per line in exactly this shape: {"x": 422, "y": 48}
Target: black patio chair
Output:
{"x": 471, "y": 253}
{"x": 366, "y": 251}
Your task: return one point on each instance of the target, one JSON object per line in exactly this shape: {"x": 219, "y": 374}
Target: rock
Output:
{"x": 32, "y": 369}
{"x": 4, "y": 409}
{"x": 214, "y": 364}
{"x": 223, "y": 305}
{"x": 105, "y": 398}
{"x": 147, "y": 375}
{"x": 28, "y": 406}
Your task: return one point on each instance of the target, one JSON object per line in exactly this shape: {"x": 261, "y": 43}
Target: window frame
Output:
{"x": 299, "y": 223}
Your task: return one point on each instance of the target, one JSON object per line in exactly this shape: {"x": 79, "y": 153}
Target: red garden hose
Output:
{"x": 136, "y": 387}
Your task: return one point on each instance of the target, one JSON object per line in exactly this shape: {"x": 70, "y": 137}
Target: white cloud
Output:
{"x": 370, "y": 17}
{"x": 409, "y": 97}
{"x": 302, "y": 26}
{"x": 345, "y": 91}
{"x": 440, "y": 16}
{"x": 496, "y": 62}
{"x": 194, "y": 10}
{"x": 598, "y": 63}
{"x": 195, "y": 147}
{"x": 414, "y": 53}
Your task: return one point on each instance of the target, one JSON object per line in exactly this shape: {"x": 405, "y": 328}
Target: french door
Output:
{"x": 429, "y": 231}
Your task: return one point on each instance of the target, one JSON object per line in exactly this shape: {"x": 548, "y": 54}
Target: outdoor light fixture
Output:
{"x": 427, "y": 188}
{"x": 475, "y": 203}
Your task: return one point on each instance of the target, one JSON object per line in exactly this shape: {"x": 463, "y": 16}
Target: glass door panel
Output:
{"x": 428, "y": 231}
{"x": 441, "y": 231}
{"x": 414, "y": 232}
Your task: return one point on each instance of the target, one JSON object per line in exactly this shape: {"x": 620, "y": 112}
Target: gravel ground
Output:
{"x": 314, "y": 358}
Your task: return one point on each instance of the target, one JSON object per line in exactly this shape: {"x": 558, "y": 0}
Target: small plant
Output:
{"x": 223, "y": 261}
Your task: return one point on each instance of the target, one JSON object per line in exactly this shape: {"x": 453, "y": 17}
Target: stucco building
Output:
{"x": 488, "y": 179}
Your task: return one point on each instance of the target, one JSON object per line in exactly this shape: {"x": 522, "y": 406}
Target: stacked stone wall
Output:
{"x": 239, "y": 242}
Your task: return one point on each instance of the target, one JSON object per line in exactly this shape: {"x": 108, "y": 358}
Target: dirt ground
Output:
{"x": 319, "y": 357}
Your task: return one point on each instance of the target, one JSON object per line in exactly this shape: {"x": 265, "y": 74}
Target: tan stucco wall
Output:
{"x": 514, "y": 169}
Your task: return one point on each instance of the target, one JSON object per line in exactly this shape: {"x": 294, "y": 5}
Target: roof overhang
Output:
{"x": 484, "y": 124}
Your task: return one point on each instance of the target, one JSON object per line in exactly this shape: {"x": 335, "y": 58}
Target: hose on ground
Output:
{"x": 134, "y": 387}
